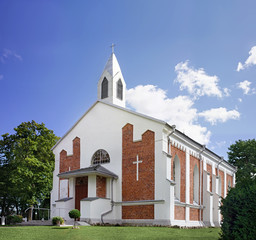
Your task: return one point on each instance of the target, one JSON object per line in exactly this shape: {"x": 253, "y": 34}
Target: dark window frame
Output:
{"x": 104, "y": 88}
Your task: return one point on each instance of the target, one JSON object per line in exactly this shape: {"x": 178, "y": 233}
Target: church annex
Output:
{"x": 119, "y": 166}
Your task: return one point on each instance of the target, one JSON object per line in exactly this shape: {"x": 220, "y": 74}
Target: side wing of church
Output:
{"x": 119, "y": 166}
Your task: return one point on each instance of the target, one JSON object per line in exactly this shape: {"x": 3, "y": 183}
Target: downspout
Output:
{"x": 201, "y": 182}
{"x": 112, "y": 203}
{"x": 168, "y": 138}
{"x": 221, "y": 160}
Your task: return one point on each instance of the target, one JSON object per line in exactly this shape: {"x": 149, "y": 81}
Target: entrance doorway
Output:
{"x": 81, "y": 190}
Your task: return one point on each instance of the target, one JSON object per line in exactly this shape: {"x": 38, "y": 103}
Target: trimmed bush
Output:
{"x": 56, "y": 220}
{"x": 13, "y": 219}
{"x": 75, "y": 213}
{"x": 239, "y": 213}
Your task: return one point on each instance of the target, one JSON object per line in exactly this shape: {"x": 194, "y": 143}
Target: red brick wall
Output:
{"x": 144, "y": 189}
{"x": 179, "y": 213}
{"x": 182, "y": 157}
{"x": 138, "y": 212}
{"x": 194, "y": 214}
{"x": 194, "y": 161}
{"x": 72, "y": 161}
{"x": 209, "y": 170}
{"x": 101, "y": 186}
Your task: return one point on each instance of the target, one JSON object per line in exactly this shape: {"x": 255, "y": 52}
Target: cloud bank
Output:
{"x": 251, "y": 60}
{"x": 197, "y": 82}
{"x": 246, "y": 87}
{"x": 215, "y": 115}
{"x": 180, "y": 110}
{"x": 9, "y": 54}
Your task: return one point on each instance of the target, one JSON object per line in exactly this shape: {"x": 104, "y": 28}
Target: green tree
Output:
{"x": 238, "y": 208}
{"x": 242, "y": 154}
{"x": 27, "y": 158}
{"x": 239, "y": 213}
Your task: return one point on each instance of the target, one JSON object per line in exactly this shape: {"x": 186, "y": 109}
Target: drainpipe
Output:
{"x": 221, "y": 160}
{"x": 112, "y": 203}
{"x": 168, "y": 138}
{"x": 200, "y": 186}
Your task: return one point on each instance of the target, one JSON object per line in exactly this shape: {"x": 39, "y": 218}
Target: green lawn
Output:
{"x": 96, "y": 232}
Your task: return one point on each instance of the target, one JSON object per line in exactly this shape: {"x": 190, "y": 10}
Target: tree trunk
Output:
{"x": 30, "y": 213}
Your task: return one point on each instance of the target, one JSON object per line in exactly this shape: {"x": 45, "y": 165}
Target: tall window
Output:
{"x": 104, "y": 88}
{"x": 229, "y": 184}
{"x": 119, "y": 89}
{"x": 176, "y": 177}
{"x": 100, "y": 157}
{"x": 220, "y": 187}
{"x": 196, "y": 185}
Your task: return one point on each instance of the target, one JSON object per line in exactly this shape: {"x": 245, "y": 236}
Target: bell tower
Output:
{"x": 111, "y": 85}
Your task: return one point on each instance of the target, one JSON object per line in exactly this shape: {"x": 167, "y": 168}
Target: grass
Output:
{"x": 98, "y": 232}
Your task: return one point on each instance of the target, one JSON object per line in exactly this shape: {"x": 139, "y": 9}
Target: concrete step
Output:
{"x": 83, "y": 223}
{"x": 36, "y": 223}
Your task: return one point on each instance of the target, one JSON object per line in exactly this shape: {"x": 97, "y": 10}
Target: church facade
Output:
{"x": 119, "y": 166}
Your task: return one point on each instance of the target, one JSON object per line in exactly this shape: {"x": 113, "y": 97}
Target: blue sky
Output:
{"x": 192, "y": 62}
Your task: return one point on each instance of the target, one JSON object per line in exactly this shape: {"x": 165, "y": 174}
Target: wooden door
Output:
{"x": 81, "y": 190}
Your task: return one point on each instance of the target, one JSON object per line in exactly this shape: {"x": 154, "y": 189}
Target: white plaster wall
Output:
{"x": 94, "y": 209}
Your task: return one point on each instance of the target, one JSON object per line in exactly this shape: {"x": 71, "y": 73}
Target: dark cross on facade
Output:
{"x": 112, "y": 46}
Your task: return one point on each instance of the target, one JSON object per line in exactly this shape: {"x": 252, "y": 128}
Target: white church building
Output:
{"x": 118, "y": 166}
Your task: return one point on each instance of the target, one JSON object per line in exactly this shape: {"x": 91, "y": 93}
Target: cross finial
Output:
{"x": 112, "y": 46}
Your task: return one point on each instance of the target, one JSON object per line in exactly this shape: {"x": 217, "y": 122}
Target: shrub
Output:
{"x": 56, "y": 220}
{"x": 74, "y": 214}
{"x": 239, "y": 213}
{"x": 13, "y": 219}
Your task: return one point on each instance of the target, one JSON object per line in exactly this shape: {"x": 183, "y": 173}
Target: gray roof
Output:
{"x": 97, "y": 169}
{"x": 64, "y": 199}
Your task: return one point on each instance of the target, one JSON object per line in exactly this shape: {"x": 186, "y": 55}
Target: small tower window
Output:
{"x": 104, "y": 88}
{"x": 100, "y": 156}
{"x": 119, "y": 88}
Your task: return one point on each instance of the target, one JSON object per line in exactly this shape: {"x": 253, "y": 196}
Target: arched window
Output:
{"x": 100, "y": 157}
{"x": 119, "y": 89}
{"x": 196, "y": 185}
{"x": 220, "y": 187}
{"x": 176, "y": 177}
{"x": 104, "y": 88}
{"x": 229, "y": 184}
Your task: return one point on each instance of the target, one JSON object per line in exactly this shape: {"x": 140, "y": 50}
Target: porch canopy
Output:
{"x": 97, "y": 169}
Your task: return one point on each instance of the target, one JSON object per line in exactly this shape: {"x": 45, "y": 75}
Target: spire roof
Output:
{"x": 112, "y": 65}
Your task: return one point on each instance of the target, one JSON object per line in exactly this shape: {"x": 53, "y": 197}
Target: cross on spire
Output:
{"x": 112, "y": 46}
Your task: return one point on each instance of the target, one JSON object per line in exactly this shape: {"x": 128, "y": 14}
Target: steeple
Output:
{"x": 111, "y": 85}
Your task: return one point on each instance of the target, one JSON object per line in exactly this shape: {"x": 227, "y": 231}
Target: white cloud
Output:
{"x": 246, "y": 87}
{"x": 9, "y": 54}
{"x": 226, "y": 92}
{"x": 197, "y": 82}
{"x": 240, "y": 99}
{"x": 251, "y": 60}
{"x": 221, "y": 114}
{"x": 178, "y": 110}
{"x": 221, "y": 144}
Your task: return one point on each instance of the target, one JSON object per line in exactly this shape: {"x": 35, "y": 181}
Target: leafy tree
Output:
{"x": 242, "y": 154}
{"x": 238, "y": 208}
{"x": 27, "y": 163}
{"x": 239, "y": 213}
